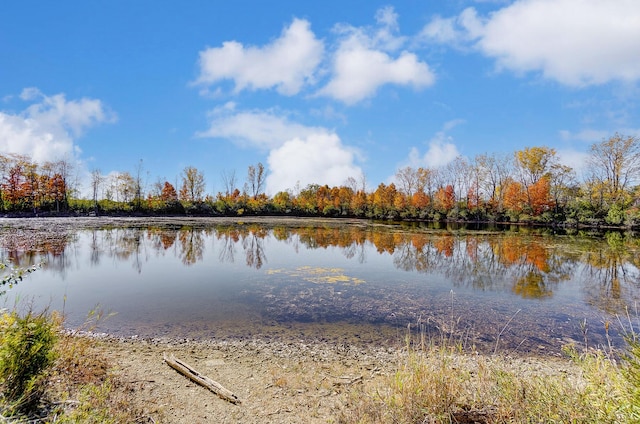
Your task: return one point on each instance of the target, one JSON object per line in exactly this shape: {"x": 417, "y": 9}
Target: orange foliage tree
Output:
{"x": 445, "y": 198}
{"x": 514, "y": 196}
{"x": 540, "y": 197}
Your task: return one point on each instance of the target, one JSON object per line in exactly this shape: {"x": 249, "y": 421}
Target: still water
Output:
{"x": 519, "y": 289}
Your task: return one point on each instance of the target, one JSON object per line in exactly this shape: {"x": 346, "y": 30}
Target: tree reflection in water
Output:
{"x": 528, "y": 263}
{"x": 612, "y": 273}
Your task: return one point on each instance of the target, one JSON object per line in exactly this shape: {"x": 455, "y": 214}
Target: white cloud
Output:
{"x": 441, "y": 30}
{"x": 575, "y": 42}
{"x": 317, "y": 159}
{"x": 587, "y": 135}
{"x": 360, "y": 71}
{"x": 575, "y": 159}
{"x": 256, "y": 128}
{"x": 363, "y": 62}
{"x": 297, "y": 153}
{"x": 386, "y": 36}
{"x": 46, "y": 130}
{"x": 455, "y": 31}
{"x": 439, "y": 154}
{"x": 441, "y": 149}
{"x": 286, "y": 64}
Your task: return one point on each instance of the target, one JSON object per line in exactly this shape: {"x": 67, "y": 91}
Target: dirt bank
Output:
{"x": 276, "y": 382}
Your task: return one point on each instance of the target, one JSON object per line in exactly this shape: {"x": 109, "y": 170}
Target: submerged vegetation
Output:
{"x": 530, "y": 186}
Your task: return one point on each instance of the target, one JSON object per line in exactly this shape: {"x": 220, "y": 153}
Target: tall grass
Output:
{"x": 441, "y": 383}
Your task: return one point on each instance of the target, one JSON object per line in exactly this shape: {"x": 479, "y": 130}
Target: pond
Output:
{"x": 513, "y": 289}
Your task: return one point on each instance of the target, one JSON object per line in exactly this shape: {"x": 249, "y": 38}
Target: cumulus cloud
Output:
{"x": 575, "y": 42}
{"x": 317, "y": 159}
{"x": 298, "y": 154}
{"x": 48, "y": 128}
{"x": 286, "y": 64}
{"x": 441, "y": 150}
{"x": 455, "y": 31}
{"x": 365, "y": 61}
{"x": 441, "y": 30}
{"x": 575, "y": 159}
{"x": 262, "y": 129}
{"x": 439, "y": 154}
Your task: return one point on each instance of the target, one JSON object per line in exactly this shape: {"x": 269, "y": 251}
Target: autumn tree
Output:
{"x": 538, "y": 196}
{"x": 56, "y": 189}
{"x": 14, "y": 182}
{"x": 255, "y": 180}
{"x": 64, "y": 168}
{"x": 459, "y": 175}
{"x": 615, "y": 162}
{"x": 282, "y": 201}
{"x": 407, "y": 179}
{"x": 30, "y": 188}
{"x": 533, "y": 164}
{"x": 307, "y": 199}
{"x": 496, "y": 171}
{"x": 425, "y": 183}
{"x": 384, "y": 200}
{"x": 125, "y": 187}
{"x": 445, "y": 198}
{"x": 344, "y": 199}
{"x": 192, "y": 189}
{"x": 562, "y": 185}
{"x": 515, "y": 196}
{"x": 228, "y": 181}
{"x": 168, "y": 193}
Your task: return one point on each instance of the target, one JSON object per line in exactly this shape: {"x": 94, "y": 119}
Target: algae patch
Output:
{"x": 318, "y": 275}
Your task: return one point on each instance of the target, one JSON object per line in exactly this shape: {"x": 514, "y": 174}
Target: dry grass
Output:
{"x": 443, "y": 385}
{"x": 84, "y": 388}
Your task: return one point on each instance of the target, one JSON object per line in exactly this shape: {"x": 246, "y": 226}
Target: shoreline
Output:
{"x": 91, "y": 221}
{"x": 276, "y": 382}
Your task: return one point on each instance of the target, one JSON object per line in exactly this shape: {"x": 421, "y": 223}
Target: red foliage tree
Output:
{"x": 168, "y": 193}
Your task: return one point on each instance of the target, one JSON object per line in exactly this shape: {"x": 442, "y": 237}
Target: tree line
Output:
{"x": 530, "y": 185}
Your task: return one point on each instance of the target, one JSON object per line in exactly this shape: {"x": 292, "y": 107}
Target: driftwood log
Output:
{"x": 186, "y": 370}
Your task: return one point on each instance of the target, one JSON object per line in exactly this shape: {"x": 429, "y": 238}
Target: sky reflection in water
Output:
{"x": 336, "y": 283}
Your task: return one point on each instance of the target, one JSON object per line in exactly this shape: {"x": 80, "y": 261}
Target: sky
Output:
{"x": 316, "y": 91}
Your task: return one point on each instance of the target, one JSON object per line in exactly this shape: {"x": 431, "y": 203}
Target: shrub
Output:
{"x": 26, "y": 354}
{"x": 615, "y": 216}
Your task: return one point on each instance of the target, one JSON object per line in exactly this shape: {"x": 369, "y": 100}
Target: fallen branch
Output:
{"x": 202, "y": 380}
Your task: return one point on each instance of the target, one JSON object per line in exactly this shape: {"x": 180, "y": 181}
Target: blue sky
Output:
{"x": 316, "y": 91}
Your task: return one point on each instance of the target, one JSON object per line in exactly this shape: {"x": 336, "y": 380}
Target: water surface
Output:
{"x": 515, "y": 289}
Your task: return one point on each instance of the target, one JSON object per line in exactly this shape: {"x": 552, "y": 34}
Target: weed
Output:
{"x": 26, "y": 354}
